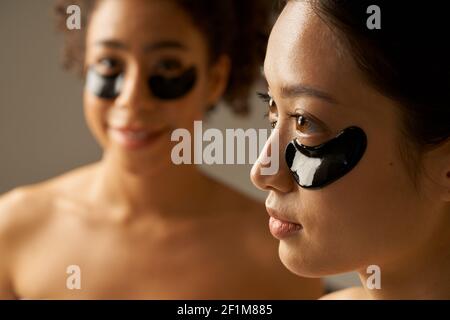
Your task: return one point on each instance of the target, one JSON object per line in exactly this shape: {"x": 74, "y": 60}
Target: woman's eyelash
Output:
{"x": 296, "y": 115}
{"x": 301, "y": 117}
{"x": 264, "y": 97}
{"x": 110, "y": 63}
{"x": 267, "y": 98}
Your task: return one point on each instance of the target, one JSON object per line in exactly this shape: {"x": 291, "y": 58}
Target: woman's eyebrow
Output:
{"x": 165, "y": 44}
{"x": 158, "y": 45}
{"x": 298, "y": 90}
{"x": 114, "y": 44}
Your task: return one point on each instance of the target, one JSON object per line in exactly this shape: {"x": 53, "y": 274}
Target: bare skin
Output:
{"x": 216, "y": 249}
{"x": 354, "y": 293}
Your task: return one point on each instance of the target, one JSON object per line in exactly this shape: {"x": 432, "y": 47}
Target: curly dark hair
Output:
{"x": 237, "y": 28}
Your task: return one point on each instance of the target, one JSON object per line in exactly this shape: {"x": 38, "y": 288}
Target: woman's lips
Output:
{"x": 134, "y": 138}
{"x": 280, "y": 227}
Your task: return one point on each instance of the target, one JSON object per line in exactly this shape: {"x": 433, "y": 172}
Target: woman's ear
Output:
{"x": 437, "y": 166}
{"x": 218, "y": 79}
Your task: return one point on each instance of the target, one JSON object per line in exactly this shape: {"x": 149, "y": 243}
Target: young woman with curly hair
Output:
{"x": 135, "y": 224}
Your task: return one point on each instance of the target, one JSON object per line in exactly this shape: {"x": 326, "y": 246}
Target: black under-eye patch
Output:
{"x": 105, "y": 87}
{"x": 170, "y": 88}
{"x": 318, "y": 166}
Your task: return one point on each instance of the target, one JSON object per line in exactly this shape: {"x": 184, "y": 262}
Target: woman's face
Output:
{"x": 371, "y": 215}
{"x": 147, "y": 74}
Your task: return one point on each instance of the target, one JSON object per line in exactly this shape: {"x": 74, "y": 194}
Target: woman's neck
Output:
{"x": 422, "y": 275}
{"x": 164, "y": 190}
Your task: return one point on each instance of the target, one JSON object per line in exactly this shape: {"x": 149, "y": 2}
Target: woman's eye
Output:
{"x": 273, "y": 123}
{"x": 108, "y": 66}
{"x": 265, "y": 97}
{"x": 168, "y": 65}
{"x": 110, "y": 63}
{"x": 307, "y": 126}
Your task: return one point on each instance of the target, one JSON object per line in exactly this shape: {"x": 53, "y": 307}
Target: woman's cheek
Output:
{"x": 342, "y": 212}
{"x": 367, "y": 210}
{"x": 95, "y": 113}
{"x": 183, "y": 113}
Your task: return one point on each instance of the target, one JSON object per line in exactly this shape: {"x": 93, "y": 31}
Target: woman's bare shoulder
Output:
{"x": 25, "y": 208}
{"x": 353, "y": 293}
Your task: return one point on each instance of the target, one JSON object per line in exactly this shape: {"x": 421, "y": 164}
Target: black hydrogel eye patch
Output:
{"x": 105, "y": 87}
{"x": 165, "y": 88}
{"x": 318, "y": 166}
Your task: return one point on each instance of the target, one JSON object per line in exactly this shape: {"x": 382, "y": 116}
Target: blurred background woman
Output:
{"x": 135, "y": 224}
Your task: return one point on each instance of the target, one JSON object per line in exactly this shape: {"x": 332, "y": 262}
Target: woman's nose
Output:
{"x": 135, "y": 93}
{"x": 270, "y": 171}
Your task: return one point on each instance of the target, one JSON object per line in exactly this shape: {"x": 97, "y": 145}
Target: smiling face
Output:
{"x": 371, "y": 215}
{"x": 148, "y": 73}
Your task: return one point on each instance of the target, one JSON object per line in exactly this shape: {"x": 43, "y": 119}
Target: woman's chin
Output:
{"x": 150, "y": 160}
{"x": 137, "y": 140}
{"x": 299, "y": 261}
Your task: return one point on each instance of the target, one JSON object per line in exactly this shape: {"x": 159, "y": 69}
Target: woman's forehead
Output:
{"x": 303, "y": 49}
{"x": 139, "y": 21}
